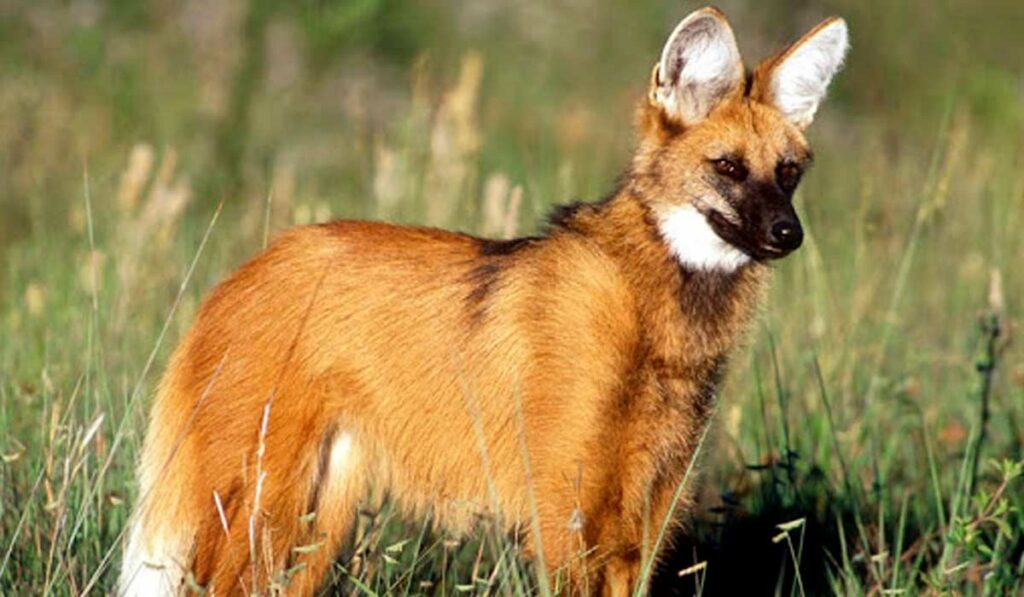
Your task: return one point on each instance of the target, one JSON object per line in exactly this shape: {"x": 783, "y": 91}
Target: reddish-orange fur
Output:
{"x": 437, "y": 357}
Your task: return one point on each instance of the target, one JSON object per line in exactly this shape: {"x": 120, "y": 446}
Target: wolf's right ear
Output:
{"x": 699, "y": 67}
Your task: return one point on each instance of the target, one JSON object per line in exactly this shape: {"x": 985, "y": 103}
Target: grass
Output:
{"x": 868, "y": 440}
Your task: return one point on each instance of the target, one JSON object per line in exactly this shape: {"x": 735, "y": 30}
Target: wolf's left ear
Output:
{"x": 795, "y": 80}
{"x": 699, "y": 67}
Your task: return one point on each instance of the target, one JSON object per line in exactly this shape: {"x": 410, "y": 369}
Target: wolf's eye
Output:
{"x": 788, "y": 176}
{"x": 733, "y": 170}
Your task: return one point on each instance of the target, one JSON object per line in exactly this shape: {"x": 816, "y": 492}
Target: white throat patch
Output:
{"x": 691, "y": 239}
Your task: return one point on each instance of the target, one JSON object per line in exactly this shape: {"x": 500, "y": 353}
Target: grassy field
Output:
{"x": 868, "y": 440}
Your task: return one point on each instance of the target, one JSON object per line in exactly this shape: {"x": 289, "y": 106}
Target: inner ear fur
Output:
{"x": 795, "y": 79}
{"x": 700, "y": 67}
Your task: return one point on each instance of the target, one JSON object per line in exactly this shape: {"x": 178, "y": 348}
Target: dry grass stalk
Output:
{"x": 274, "y": 210}
{"x": 996, "y": 302}
{"x": 501, "y": 207}
{"x": 389, "y": 186}
{"x": 135, "y": 177}
{"x": 454, "y": 144}
{"x": 148, "y": 226}
{"x": 35, "y": 299}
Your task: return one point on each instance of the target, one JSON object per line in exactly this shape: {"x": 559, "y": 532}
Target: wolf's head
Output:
{"x": 722, "y": 151}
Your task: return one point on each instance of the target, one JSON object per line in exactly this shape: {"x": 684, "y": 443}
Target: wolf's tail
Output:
{"x": 163, "y": 526}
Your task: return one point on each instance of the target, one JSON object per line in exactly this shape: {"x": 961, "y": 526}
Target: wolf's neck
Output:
{"x": 690, "y": 311}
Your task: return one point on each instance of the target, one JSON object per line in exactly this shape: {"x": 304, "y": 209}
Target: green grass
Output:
{"x": 866, "y": 435}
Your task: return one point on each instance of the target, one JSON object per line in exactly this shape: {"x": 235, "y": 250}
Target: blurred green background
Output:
{"x": 243, "y": 90}
{"x": 869, "y": 384}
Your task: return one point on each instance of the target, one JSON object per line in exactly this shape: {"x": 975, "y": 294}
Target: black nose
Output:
{"x": 786, "y": 234}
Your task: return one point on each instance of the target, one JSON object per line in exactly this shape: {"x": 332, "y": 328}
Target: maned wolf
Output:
{"x": 557, "y": 383}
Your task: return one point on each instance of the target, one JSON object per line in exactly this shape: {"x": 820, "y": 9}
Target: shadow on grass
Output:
{"x": 841, "y": 545}
{"x": 745, "y": 552}
{"x": 747, "y": 544}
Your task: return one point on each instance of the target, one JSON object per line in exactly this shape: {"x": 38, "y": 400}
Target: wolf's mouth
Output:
{"x": 737, "y": 236}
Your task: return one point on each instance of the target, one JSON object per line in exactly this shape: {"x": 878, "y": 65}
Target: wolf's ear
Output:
{"x": 795, "y": 80}
{"x": 699, "y": 67}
